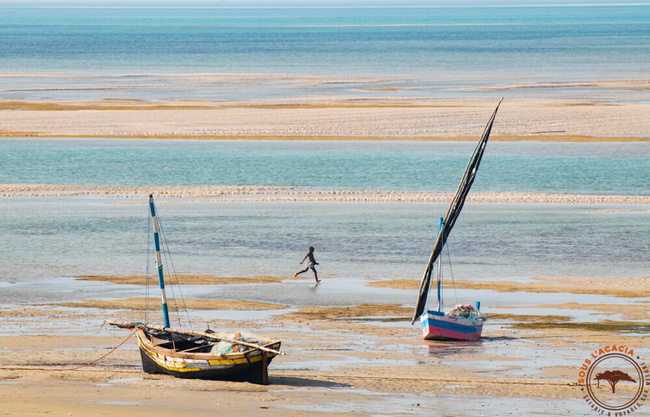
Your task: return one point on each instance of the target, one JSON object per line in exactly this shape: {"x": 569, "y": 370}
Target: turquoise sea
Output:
{"x": 437, "y": 39}
{"x": 567, "y": 168}
{"x": 440, "y": 48}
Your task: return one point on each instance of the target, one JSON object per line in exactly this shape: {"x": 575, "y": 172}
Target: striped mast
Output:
{"x": 159, "y": 265}
{"x": 452, "y": 214}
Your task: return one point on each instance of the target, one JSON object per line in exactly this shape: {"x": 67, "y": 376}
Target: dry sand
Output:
{"x": 328, "y": 118}
{"x": 354, "y": 360}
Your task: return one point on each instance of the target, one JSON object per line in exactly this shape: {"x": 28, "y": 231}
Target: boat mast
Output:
{"x": 439, "y": 277}
{"x": 159, "y": 265}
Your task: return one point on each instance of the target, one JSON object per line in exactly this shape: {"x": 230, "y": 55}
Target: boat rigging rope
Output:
{"x": 76, "y": 367}
{"x": 173, "y": 276}
{"x": 169, "y": 267}
{"x": 451, "y": 274}
{"x": 148, "y": 251}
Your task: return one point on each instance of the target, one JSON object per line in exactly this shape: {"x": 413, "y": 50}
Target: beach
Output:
{"x": 340, "y": 361}
{"x": 263, "y": 131}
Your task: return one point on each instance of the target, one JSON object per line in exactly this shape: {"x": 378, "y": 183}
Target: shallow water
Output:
{"x": 69, "y": 236}
{"x": 572, "y": 168}
{"x": 75, "y": 235}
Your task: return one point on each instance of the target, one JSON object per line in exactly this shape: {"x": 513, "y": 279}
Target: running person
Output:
{"x": 310, "y": 265}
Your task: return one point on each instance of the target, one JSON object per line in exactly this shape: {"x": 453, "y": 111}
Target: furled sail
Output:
{"x": 452, "y": 214}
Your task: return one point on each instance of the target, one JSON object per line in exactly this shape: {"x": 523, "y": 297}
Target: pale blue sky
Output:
{"x": 321, "y": 2}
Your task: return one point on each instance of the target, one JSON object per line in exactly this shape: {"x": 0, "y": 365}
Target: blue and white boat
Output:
{"x": 463, "y": 322}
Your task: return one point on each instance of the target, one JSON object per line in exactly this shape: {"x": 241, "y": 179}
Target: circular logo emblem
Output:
{"x": 614, "y": 381}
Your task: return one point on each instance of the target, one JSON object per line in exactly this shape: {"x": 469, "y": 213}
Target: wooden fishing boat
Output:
{"x": 463, "y": 322}
{"x": 201, "y": 355}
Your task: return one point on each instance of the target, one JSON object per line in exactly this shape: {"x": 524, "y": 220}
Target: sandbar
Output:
{"x": 185, "y": 279}
{"x": 638, "y": 287}
{"x": 293, "y": 194}
{"x": 390, "y": 114}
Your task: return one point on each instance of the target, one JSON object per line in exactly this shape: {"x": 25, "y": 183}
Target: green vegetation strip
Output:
{"x": 603, "y": 326}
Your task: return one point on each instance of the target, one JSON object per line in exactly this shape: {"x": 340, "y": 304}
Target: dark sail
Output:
{"x": 452, "y": 213}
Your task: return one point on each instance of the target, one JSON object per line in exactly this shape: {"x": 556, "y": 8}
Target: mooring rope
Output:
{"x": 70, "y": 369}
{"x": 103, "y": 356}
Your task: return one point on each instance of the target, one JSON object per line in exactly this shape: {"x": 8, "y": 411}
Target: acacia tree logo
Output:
{"x": 613, "y": 377}
{"x": 626, "y": 377}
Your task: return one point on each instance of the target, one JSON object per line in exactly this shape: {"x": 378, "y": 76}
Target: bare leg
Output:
{"x": 315, "y": 274}
{"x": 300, "y": 272}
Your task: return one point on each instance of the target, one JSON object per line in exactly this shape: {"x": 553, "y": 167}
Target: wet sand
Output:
{"x": 620, "y": 287}
{"x": 346, "y": 360}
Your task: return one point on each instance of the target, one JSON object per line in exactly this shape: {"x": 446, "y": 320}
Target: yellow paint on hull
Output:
{"x": 199, "y": 362}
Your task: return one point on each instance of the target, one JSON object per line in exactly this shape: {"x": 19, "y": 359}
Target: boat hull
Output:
{"x": 438, "y": 326}
{"x": 244, "y": 366}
